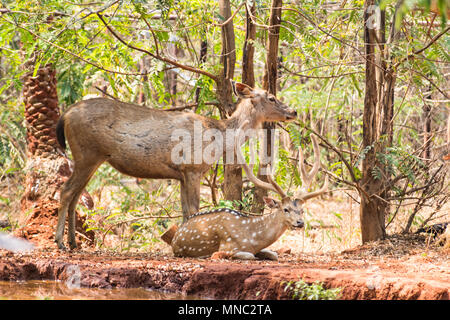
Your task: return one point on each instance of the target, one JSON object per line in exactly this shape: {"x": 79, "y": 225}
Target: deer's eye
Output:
{"x": 272, "y": 99}
{"x": 286, "y": 210}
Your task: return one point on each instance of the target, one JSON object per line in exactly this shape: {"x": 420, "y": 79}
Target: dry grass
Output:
{"x": 332, "y": 225}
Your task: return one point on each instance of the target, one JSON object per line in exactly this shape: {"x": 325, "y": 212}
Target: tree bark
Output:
{"x": 232, "y": 186}
{"x": 377, "y": 129}
{"x": 447, "y": 156}
{"x": 448, "y": 130}
{"x": 248, "y": 70}
{"x": 203, "y": 53}
{"x": 271, "y": 67}
{"x": 426, "y": 128}
{"x": 270, "y": 84}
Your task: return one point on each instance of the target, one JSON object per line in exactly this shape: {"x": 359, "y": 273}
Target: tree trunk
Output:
{"x": 47, "y": 167}
{"x": 373, "y": 206}
{"x": 270, "y": 84}
{"x": 232, "y": 186}
{"x": 447, "y": 156}
{"x": 203, "y": 52}
{"x": 143, "y": 69}
{"x": 426, "y": 128}
{"x": 271, "y": 67}
{"x": 248, "y": 70}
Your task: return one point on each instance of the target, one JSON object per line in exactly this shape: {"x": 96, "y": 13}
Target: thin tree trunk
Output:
{"x": 426, "y": 128}
{"x": 232, "y": 186}
{"x": 248, "y": 70}
{"x": 270, "y": 84}
{"x": 142, "y": 68}
{"x": 447, "y": 156}
{"x": 203, "y": 53}
{"x": 271, "y": 67}
{"x": 372, "y": 206}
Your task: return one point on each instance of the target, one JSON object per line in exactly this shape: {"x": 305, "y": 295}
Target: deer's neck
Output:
{"x": 268, "y": 228}
{"x": 244, "y": 111}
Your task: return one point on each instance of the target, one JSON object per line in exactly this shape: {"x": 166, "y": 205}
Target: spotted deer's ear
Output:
{"x": 242, "y": 90}
{"x": 271, "y": 203}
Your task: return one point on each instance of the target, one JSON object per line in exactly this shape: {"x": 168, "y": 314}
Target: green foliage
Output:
{"x": 243, "y": 205}
{"x": 70, "y": 84}
{"x": 408, "y": 5}
{"x": 300, "y": 290}
{"x": 398, "y": 161}
{"x": 134, "y": 217}
{"x": 12, "y": 140}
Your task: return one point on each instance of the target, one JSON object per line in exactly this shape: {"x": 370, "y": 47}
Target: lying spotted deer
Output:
{"x": 138, "y": 141}
{"x": 244, "y": 236}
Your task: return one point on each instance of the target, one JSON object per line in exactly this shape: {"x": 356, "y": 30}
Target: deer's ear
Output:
{"x": 242, "y": 90}
{"x": 271, "y": 203}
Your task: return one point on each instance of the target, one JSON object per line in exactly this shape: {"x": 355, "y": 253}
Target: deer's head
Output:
{"x": 266, "y": 106}
{"x": 292, "y": 207}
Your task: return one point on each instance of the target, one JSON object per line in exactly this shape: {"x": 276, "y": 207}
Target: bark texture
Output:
{"x": 270, "y": 84}
{"x": 232, "y": 186}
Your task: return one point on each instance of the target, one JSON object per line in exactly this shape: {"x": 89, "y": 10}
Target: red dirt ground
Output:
{"x": 365, "y": 273}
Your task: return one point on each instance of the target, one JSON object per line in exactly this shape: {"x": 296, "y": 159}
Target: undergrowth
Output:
{"x": 300, "y": 290}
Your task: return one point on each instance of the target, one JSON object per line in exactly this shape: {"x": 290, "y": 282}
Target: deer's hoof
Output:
{"x": 220, "y": 255}
{"x": 267, "y": 255}
{"x": 242, "y": 255}
{"x": 72, "y": 245}
{"x": 61, "y": 246}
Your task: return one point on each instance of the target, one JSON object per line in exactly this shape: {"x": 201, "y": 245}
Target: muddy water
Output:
{"x": 56, "y": 290}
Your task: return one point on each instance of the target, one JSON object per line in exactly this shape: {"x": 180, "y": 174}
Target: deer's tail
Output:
{"x": 169, "y": 234}
{"x": 60, "y": 133}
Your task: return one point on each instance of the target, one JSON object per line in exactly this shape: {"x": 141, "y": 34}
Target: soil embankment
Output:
{"x": 359, "y": 276}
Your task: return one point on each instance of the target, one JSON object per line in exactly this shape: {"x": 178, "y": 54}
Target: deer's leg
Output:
{"x": 72, "y": 220}
{"x": 184, "y": 200}
{"x": 82, "y": 182}
{"x": 70, "y": 193}
{"x": 190, "y": 193}
{"x": 266, "y": 254}
{"x": 231, "y": 248}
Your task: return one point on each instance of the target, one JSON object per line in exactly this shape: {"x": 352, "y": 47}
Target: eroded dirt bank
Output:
{"x": 412, "y": 277}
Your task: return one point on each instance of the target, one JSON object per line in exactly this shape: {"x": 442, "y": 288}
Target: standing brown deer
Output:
{"x": 246, "y": 236}
{"x": 138, "y": 141}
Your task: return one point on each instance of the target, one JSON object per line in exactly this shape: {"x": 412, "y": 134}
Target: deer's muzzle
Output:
{"x": 299, "y": 224}
{"x": 291, "y": 115}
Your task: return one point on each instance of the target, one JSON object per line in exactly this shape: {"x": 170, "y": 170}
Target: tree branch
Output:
{"x": 435, "y": 38}
{"x": 319, "y": 77}
{"x": 191, "y": 105}
{"x": 417, "y": 52}
{"x": 157, "y": 56}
